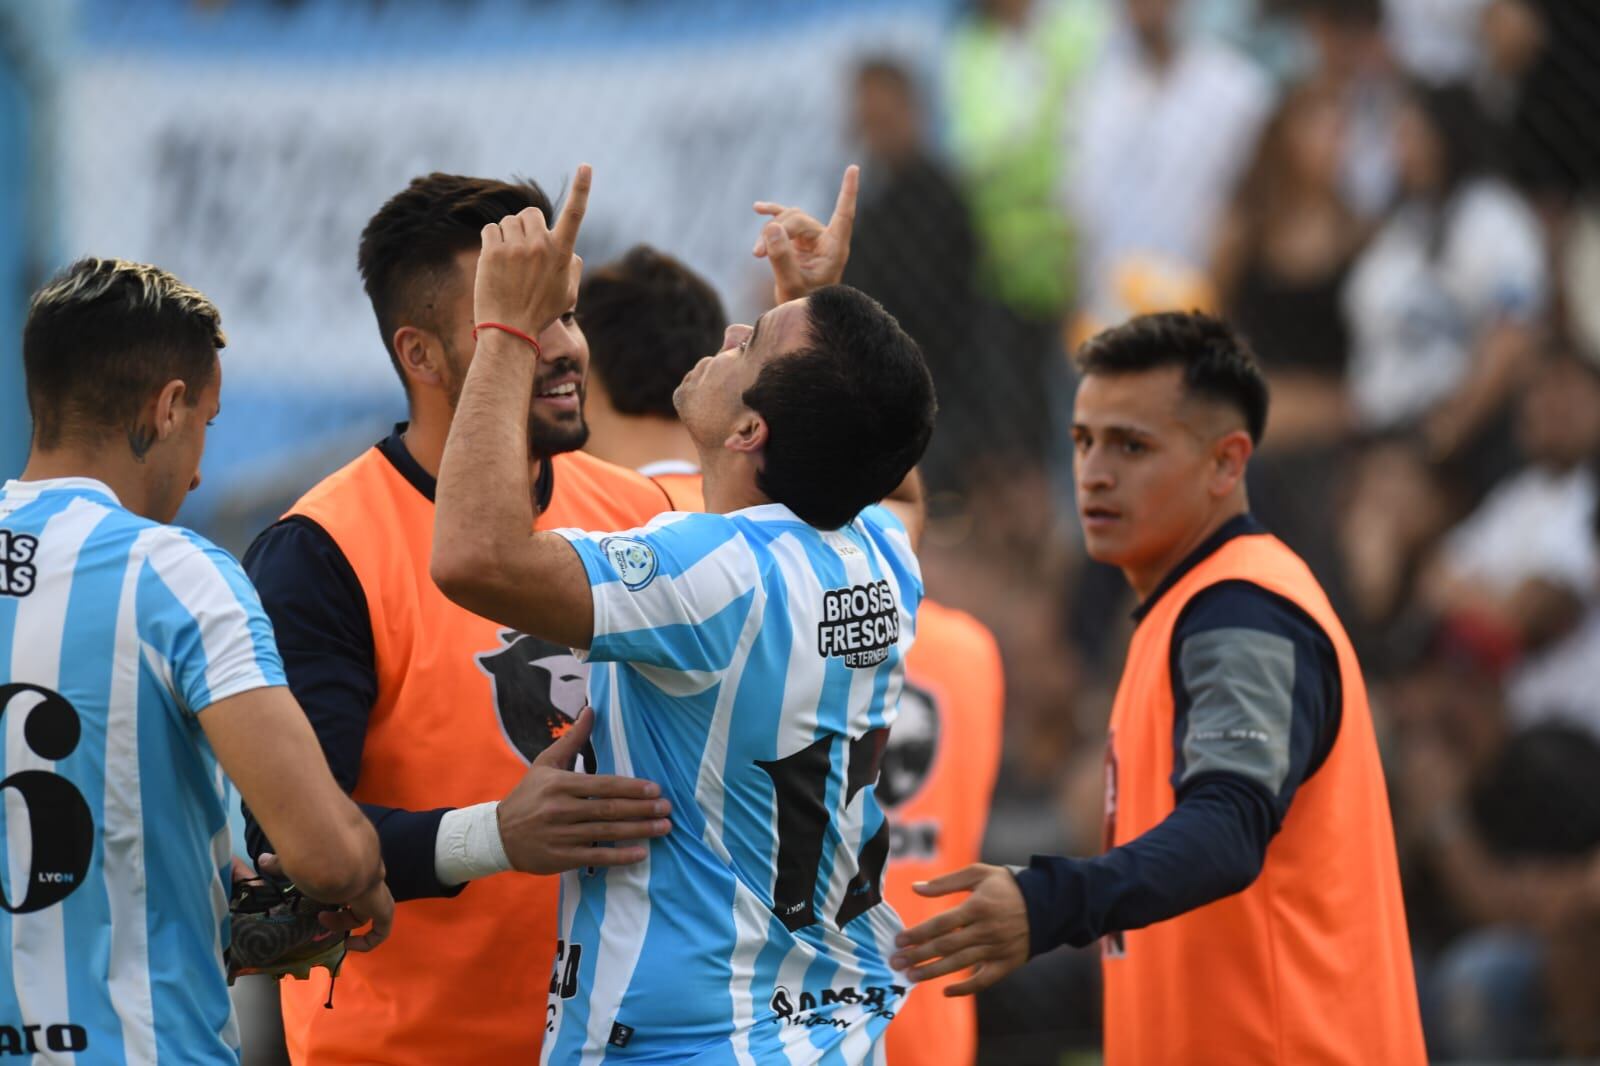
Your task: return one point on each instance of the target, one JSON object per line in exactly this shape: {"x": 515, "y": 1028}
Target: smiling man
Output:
{"x": 430, "y": 715}
{"x": 1248, "y": 903}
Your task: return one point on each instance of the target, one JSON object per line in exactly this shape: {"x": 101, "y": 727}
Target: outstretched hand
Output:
{"x": 804, "y": 254}
{"x": 528, "y": 275}
{"x": 988, "y": 931}
{"x": 556, "y": 819}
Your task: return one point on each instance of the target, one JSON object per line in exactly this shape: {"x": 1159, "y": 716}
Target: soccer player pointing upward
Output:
{"x": 748, "y": 660}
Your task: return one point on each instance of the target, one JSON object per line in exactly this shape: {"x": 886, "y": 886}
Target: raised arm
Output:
{"x": 486, "y": 556}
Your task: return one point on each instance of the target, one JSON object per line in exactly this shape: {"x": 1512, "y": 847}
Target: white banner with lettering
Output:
{"x": 251, "y": 178}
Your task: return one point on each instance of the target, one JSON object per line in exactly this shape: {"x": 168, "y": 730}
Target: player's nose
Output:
{"x": 564, "y": 341}
{"x": 1094, "y": 473}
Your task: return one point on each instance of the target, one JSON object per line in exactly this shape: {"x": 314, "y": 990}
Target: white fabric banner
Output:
{"x": 252, "y": 178}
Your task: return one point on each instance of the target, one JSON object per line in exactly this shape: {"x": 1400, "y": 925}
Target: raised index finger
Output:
{"x": 566, "y": 231}
{"x": 844, "y": 209}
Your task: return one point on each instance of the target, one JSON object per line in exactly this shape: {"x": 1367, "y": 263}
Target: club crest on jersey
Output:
{"x": 633, "y": 560}
{"x": 539, "y": 690}
{"x": 859, "y": 624}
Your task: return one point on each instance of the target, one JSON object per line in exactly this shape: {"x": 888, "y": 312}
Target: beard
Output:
{"x": 552, "y": 437}
{"x": 546, "y": 435}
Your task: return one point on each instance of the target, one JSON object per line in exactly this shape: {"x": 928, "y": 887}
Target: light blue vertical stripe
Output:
{"x": 821, "y": 974}
{"x": 258, "y": 625}
{"x": 755, "y": 729}
{"x": 92, "y": 609}
{"x": 586, "y": 922}
{"x": 166, "y": 624}
{"x": 182, "y": 814}
{"x": 766, "y": 1043}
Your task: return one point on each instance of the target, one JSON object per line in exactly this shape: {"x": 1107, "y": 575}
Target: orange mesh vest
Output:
{"x": 1311, "y": 963}
{"x": 938, "y": 774}
{"x": 462, "y": 707}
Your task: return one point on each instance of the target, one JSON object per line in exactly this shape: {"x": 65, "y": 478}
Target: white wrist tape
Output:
{"x": 468, "y": 845}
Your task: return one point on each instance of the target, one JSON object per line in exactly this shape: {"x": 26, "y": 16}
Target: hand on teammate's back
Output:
{"x": 528, "y": 275}
{"x": 558, "y": 819}
{"x": 988, "y": 931}
{"x": 804, "y": 254}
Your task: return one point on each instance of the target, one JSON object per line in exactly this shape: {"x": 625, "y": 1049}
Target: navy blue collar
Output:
{"x": 1243, "y": 525}
{"x": 394, "y": 449}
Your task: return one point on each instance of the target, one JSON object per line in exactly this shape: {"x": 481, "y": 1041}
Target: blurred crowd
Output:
{"x": 1395, "y": 201}
{"x": 1398, "y": 202}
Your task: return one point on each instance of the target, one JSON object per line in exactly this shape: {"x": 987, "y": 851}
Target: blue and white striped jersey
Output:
{"x": 115, "y": 632}
{"x": 751, "y": 665}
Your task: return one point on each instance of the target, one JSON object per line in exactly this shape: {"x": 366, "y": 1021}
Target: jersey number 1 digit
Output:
{"x": 801, "y": 784}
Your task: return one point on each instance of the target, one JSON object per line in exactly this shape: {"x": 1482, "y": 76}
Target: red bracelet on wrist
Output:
{"x": 502, "y": 327}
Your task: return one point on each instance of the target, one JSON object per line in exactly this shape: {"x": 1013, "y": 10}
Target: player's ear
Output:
{"x": 1230, "y": 455}
{"x": 420, "y": 354}
{"x": 749, "y": 433}
{"x": 165, "y": 410}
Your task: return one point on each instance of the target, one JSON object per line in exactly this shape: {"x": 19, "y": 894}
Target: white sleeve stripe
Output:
{"x": 232, "y": 664}
{"x": 126, "y": 878}
{"x": 717, "y": 580}
{"x": 667, "y": 518}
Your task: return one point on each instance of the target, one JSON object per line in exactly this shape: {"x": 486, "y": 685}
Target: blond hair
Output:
{"x": 91, "y": 280}
{"x": 105, "y": 334}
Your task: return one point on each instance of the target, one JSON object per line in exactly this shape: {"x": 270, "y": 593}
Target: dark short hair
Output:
{"x": 1216, "y": 362}
{"x": 848, "y": 415}
{"x": 104, "y": 335}
{"x": 409, "y": 245}
{"x": 648, "y": 319}
{"x": 888, "y": 70}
